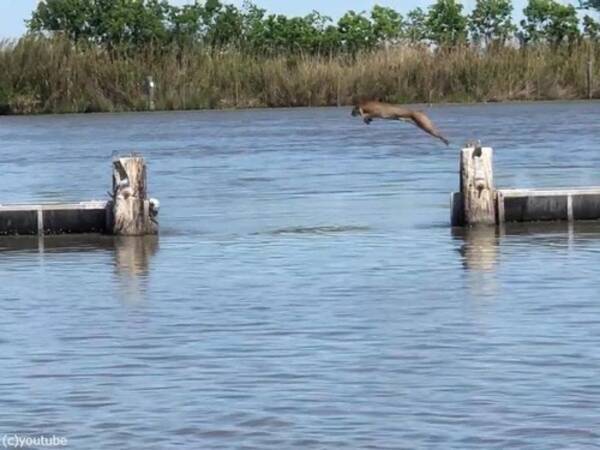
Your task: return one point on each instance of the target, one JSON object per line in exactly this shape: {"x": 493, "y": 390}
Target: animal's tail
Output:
{"x": 421, "y": 120}
{"x": 443, "y": 139}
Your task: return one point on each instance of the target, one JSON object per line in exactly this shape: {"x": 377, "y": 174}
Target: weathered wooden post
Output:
{"x": 477, "y": 186}
{"x": 133, "y": 213}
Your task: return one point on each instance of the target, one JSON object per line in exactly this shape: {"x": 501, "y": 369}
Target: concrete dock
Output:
{"x": 479, "y": 202}
{"x": 54, "y": 218}
{"x": 129, "y": 211}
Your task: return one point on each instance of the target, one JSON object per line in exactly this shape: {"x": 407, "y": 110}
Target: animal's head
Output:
{"x": 355, "y": 111}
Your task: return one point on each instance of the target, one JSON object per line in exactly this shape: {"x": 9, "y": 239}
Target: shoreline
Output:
{"x": 264, "y": 108}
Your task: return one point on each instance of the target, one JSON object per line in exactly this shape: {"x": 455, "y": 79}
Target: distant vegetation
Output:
{"x": 94, "y": 55}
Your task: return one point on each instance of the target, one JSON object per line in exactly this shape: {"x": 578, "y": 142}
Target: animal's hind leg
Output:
{"x": 403, "y": 119}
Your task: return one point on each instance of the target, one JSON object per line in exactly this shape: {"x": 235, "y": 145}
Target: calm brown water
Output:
{"x": 306, "y": 290}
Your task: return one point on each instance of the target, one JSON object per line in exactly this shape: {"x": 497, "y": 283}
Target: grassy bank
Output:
{"x": 54, "y": 76}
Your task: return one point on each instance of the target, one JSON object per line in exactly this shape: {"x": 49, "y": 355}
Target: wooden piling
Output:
{"x": 133, "y": 212}
{"x": 477, "y": 186}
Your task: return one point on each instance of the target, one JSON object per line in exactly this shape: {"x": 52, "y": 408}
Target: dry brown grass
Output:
{"x": 54, "y": 75}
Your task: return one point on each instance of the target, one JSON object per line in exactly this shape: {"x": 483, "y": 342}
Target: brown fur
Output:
{"x": 370, "y": 110}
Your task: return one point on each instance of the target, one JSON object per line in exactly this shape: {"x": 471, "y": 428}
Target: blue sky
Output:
{"x": 14, "y": 12}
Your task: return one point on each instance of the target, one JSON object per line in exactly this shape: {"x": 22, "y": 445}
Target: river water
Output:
{"x": 306, "y": 290}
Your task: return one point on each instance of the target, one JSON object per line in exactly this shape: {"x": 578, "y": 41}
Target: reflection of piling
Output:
{"x": 480, "y": 247}
{"x": 133, "y": 253}
{"x": 132, "y": 262}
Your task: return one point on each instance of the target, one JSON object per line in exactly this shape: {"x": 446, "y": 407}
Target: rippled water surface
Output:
{"x": 306, "y": 290}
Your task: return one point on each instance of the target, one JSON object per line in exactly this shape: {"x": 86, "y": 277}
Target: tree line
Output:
{"x": 214, "y": 55}
{"x": 217, "y": 25}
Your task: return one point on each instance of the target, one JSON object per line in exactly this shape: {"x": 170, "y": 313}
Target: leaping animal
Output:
{"x": 371, "y": 109}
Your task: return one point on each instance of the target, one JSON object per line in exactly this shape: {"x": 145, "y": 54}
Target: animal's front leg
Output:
{"x": 367, "y": 120}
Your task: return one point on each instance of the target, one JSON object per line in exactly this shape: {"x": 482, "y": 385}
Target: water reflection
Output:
{"x": 479, "y": 249}
{"x": 60, "y": 243}
{"x": 131, "y": 255}
{"x": 132, "y": 262}
{"x": 479, "y": 252}
{"x": 480, "y": 245}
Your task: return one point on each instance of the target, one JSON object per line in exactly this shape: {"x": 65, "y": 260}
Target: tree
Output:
{"x": 549, "y": 21}
{"x": 331, "y": 40}
{"x": 146, "y": 21}
{"x": 226, "y": 27}
{"x": 590, "y": 4}
{"x": 325, "y": 38}
{"x": 186, "y": 23}
{"x": 356, "y": 32}
{"x": 254, "y": 27}
{"x": 387, "y": 24}
{"x": 135, "y": 22}
{"x": 446, "y": 24}
{"x": 490, "y": 22}
{"x": 591, "y": 28}
{"x": 276, "y": 34}
{"x": 415, "y": 29}
{"x": 71, "y": 17}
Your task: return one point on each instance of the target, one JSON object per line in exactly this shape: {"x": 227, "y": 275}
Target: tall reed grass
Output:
{"x": 41, "y": 75}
